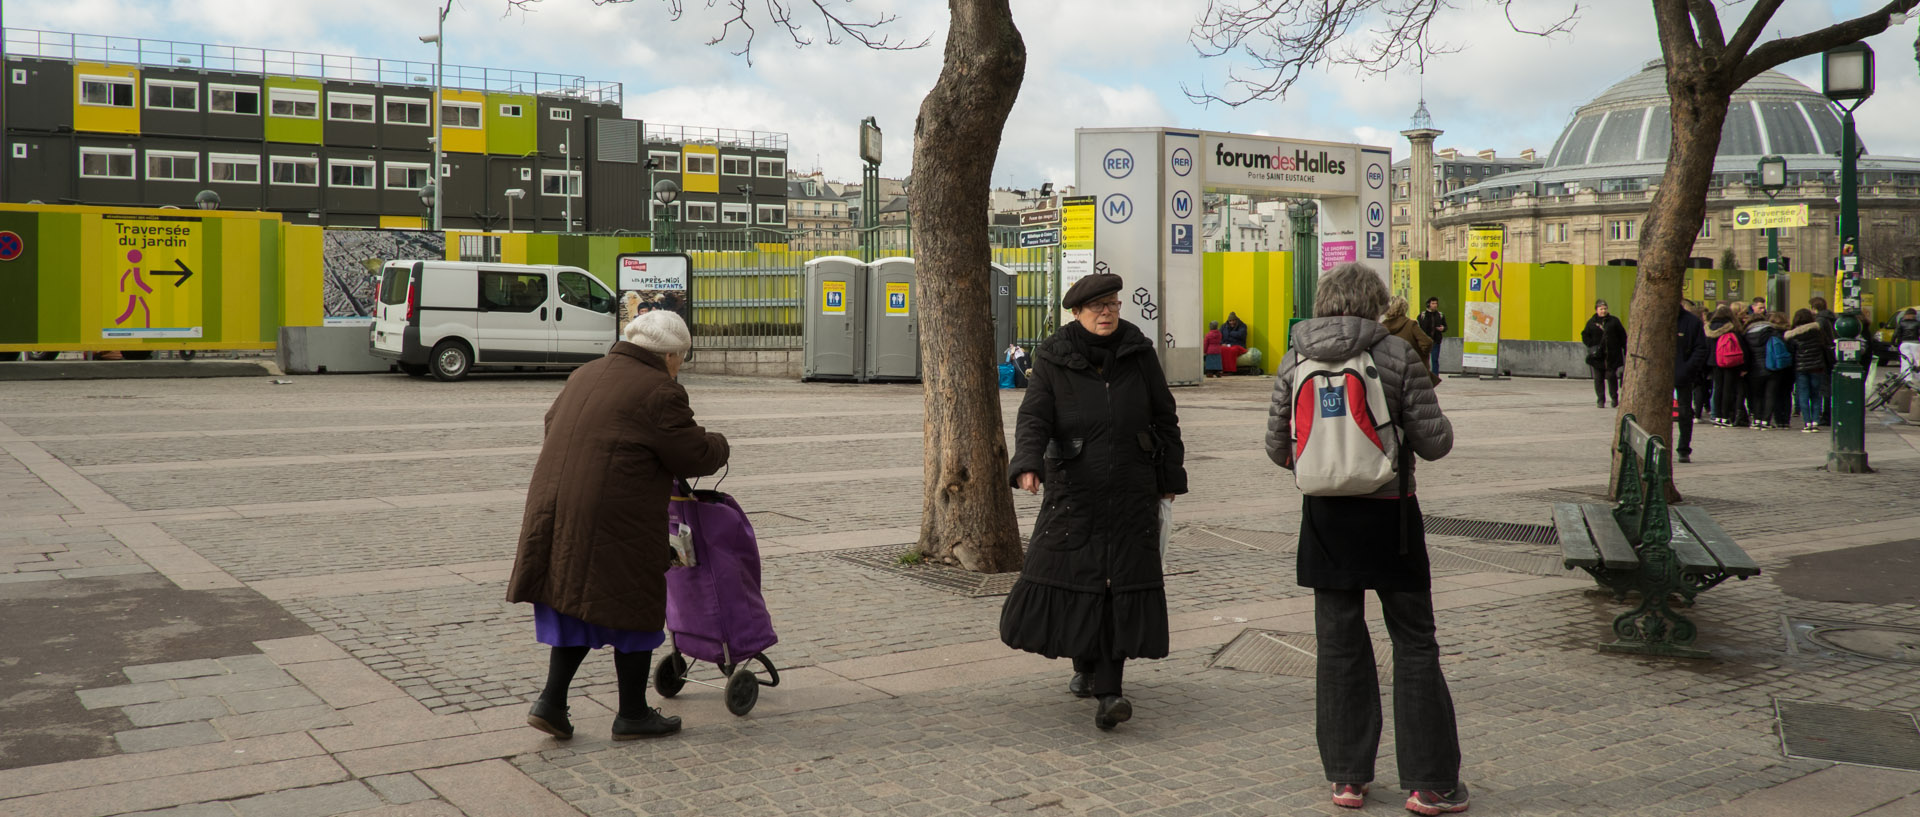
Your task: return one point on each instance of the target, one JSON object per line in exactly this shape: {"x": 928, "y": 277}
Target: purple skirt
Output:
{"x": 556, "y": 629}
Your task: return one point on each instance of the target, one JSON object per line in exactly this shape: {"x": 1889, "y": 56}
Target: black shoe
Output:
{"x": 551, "y": 719}
{"x": 1686, "y": 456}
{"x": 651, "y": 725}
{"x": 1080, "y": 686}
{"x": 1114, "y": 710}
{"x": 1616, "y": 403}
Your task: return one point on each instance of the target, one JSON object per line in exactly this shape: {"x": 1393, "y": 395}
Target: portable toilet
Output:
{"x": 833, "y": 320}
{"x": 1003, "y": 293}
{"x": 893, "y": 322}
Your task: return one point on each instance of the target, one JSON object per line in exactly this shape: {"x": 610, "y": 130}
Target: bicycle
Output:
{"x": 1908, "y": 378}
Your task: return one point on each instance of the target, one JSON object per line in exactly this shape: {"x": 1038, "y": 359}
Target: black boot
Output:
{"x": 1114, "y": 710}
{"x": 651, "y": 725}
{"x": 1080, "y": 686}
{"x": 550, "y": 718}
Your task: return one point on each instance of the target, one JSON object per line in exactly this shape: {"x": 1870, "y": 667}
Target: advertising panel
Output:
{"x": 1259, "y": 164}
{"x": 1485, "y": 246}
{"x": 650, "y": 281}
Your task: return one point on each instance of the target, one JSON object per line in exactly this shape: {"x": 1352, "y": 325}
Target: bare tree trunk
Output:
{"x": 967, "y": 516}
{"x": 1699, "y": 97}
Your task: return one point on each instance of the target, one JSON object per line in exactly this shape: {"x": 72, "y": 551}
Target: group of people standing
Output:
{"x": 1765, "y": 367}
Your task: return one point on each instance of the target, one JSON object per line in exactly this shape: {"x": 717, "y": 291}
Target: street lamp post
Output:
{"x": 1847, "y": 74}
{"x": 439, "y": 100}
{"x": 1773, "y": 179}
{"x": 514, "y": 194}
{"x": 429, "y": 198}
{"x": 207, "y": 200}
{"x": 869, "y": 188}
{"x": 665, "y": 191}
{"x": 746, "y": 190}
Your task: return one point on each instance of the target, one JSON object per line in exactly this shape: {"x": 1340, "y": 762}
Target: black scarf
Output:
{"x": 1098, "y": 349}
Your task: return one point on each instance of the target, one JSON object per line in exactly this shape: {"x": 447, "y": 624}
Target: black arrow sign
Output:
{"x": 1475, "y": 264}
{"x": 181, "y": 276}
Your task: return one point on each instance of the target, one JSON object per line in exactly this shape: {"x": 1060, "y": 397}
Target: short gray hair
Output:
{"x": 1352, "y": 290}
{"x": 660, "y": 331}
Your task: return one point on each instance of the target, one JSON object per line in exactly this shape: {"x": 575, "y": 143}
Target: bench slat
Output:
{"x": 1730, "y": 555}
{"x": 1687, "y": 550}
{"x": 1575, "y": 541}
{"x": 1616, "y": 552}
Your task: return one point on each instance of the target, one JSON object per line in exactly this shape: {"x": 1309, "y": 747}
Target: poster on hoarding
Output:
{"x": 1485, "y": 268}
{"x": 649, "y": 281}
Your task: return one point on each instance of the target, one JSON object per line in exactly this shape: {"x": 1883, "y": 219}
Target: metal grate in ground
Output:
{"x": 1483, "y": 560}
{"x": 886, "y": 559}
{"x": 1483, "y": 529}
{"x": 1292, "y": 654}
{"x": 1887, "y": 738}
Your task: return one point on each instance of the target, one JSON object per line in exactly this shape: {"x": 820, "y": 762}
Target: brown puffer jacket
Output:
{"x": 1403, "y": 375}
{"x": 593, "y": 542}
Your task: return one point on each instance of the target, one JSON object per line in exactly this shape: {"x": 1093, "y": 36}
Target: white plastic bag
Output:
{"x": 1166, "y": 529}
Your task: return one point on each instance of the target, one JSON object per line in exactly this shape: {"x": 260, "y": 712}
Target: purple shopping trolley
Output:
{"x": 714, "y": 607}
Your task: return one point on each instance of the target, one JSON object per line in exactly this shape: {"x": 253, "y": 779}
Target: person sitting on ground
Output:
{"x": 1216, "y": 343}
{"x": 1234, "y": 332}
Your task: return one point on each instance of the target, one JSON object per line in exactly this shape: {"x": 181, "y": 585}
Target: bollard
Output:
{"x": 1848, "y": 452}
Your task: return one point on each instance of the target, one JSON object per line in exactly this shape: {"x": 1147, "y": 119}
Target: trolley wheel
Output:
{"x": 671, "y": 675}
{"x": 743, "y": 690}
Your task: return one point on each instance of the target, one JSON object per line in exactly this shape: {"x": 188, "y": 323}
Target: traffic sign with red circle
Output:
{"x": 11, "y": 245}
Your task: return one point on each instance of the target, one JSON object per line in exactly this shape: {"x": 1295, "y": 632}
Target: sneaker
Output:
{"x": 1349, "y": 795}
{"x": 1686, "y": 456}
{"x": 651, "y": 725}
{"x": 1433, "y": 802}
{"x": 1809, "y": 428}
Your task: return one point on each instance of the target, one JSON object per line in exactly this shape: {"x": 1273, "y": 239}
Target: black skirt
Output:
{"x": 1354, "y": 543}
{"x": 1056, "y": 622}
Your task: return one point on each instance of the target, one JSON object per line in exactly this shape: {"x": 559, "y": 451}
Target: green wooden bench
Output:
{"x": 1642, "y": 544}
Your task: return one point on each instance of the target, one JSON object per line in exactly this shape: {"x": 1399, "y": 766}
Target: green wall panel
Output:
{"x": 513, "y": 135}
{"x": 212, "y": 266}
{"x": 1552, "y": 290}
{"x": 291, "y": 129}
{"x": 60, "y": 278}
{"x": 20, "y": 280}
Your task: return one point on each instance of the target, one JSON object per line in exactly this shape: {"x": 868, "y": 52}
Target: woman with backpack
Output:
{"x": 1343, "y": 389}
{"x": 1099, "y": 428}
{"x": 1729, "y": 366}
{"x": 1606, "y": 340}
{"x": 1769, "y": 370}
{"x": 1812, "y": 353}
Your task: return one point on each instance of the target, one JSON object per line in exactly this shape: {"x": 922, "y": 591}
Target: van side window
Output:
{"x": 584, "y": 292}
{"x": 512, "y": 291}
{"x": 393, "y": 285}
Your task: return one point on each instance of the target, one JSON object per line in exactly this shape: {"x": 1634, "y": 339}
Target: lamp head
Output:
{"x": 1846, "y": 72}
{"x": 516, "y": 193}
{"x": 207, "y": 200}
{"x": 1773, "y": 173}
{"x": 429, "y": 38}
{"x": 1046, "y": 189}
{"x": 426, "y": 194}
{"x": 666, "y": 190}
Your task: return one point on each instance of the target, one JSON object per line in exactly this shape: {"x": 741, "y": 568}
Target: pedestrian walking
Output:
{"x": 1698, "y": 395}
{"x": 1373, "y": 540}
{"x": 1434, "y": 323}
{"x": 1100, "y": 430}
{"x": 1606, "y": 340}
{"x": 593, "y": 547}
{"x": 1769, "y": 371}
{"x": 1812, "y": 359}
{"x": 1729, "y": 366}
{"x": 1690, "y": 358}
{"x": 1400, "y": 326}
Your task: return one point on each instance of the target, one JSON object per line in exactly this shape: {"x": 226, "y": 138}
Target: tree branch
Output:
{"x": 1706, "y": 22}
{"x": 1750, "y": 28}
{"x": 1280, "y": 39}
{"x": 1785, "y": 50}
{"x": 782, "y": 15}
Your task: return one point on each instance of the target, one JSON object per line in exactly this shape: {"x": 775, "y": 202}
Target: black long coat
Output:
{"x": 1608, "y": 334}
{"x": 1106, "y": 443}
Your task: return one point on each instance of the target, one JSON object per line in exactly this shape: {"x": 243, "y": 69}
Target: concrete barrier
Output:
{"x": 1527, "y": 358}
{"x": 327, "y": 350}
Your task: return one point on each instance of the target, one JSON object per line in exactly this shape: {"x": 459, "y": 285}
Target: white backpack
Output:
{"x": 1344, "y": 439}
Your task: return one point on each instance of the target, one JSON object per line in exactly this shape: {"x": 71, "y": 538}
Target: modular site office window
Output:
{"x": 107, "y": 92}
{"x": 169, "y": 95}
{"x": 234, "y": 99}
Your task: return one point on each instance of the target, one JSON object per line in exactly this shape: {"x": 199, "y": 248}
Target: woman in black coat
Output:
{"x": 1606, "y": 340}
{"x": 1098, "y": 428}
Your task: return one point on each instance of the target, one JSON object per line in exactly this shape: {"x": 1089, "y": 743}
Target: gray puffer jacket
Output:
{"x": 1409, "y": 391}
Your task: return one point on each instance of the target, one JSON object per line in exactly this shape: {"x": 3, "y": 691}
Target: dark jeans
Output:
{"x": 1728, "y": 390}
{"x": 1603, "y": 380}
{"x": 1685, "y": 422}
{"x": 1347, "y": 693}
{"x": 1767, "y": 397}
{"x": 1103, "y": 674}
{"x": 1811, "y": 388}
{"x": 1433, "y": 357}
{"x": 1699, "y": 394}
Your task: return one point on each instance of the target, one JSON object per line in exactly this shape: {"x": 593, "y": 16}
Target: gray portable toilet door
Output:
{"x": 893, "y": 330}
{"x": 1003, "y": 291}
{"x": 833, "y": 317}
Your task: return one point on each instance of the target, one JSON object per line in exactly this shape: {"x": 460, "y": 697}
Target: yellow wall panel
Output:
{"x": 102, "y": 118}
{"x": 240, "y": 291}
{"x": 466, "y": 140}
{"x": 1516, "y": 301}
{"x": 301, "y": 296}
{"x": 513, "y": 248}
{"x": 700, "y": 182}
{"x": 402, "y": 223}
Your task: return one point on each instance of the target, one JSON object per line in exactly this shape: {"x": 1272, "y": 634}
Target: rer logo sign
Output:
{"x": 1333, "y": 401}
{"x": 1117, "y": 208}
{"x": 1182, "y": 162}
{"x": 1376, "y": 176}
{"x": 1182, "y": 204}
{"x": 1118, "y": 163}
{"x": 1376, "y": 213}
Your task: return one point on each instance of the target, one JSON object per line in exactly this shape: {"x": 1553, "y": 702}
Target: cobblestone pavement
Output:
{"x": 381, "y": 512}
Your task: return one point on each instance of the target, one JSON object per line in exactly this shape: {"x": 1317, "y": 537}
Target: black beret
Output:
{"x": 1089, "y": 288}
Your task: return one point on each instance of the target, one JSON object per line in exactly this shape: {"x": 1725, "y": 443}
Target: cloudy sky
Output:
{"x": 1091, "y": 63}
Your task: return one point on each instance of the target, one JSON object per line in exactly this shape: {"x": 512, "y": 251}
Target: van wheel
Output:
{"x": 414, "y": 369}
{"x": 451, "y": 361}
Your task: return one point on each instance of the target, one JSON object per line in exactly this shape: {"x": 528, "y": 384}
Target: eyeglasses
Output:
{"x": 1104, "y": 306}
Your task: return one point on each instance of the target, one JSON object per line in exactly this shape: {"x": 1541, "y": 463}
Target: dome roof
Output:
{"x": 1631, "y": 122}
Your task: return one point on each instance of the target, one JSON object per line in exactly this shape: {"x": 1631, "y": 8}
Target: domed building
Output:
{"x": 1585, "y": 203}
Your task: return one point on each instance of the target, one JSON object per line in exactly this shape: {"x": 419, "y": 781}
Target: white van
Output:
{"x": 448, "y": 317}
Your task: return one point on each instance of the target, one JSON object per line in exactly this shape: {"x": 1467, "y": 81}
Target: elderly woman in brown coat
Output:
{"x": 593, "y": 544}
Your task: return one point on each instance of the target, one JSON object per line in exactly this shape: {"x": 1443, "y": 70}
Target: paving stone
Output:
{"x": 128, "y": 695}
{"x": 279, "y": 721}
{"x": 184, "y": 709}
{"x": 195, "y": 810}
{"x": 314, "y": 801}
{"x": 400, "y": 789}
{"x": 262, "y": 700}
{"x": 237, "y": 682}
{"x": 166, "y": 737}
{"x": 177, "y": 669}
